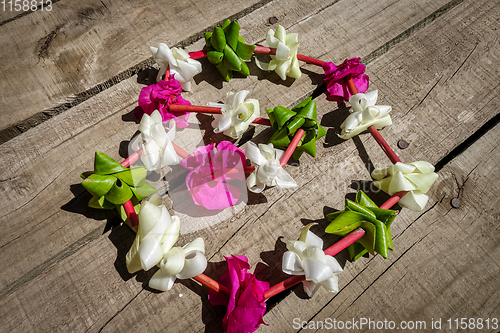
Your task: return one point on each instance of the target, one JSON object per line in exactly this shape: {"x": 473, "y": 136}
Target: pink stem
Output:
{"x": 291, "y": 148}
{"x": 212, "y": 284}
{"x": 198, "y": 54}
{"x": 194, "y": 108}
{"x": 272, "y": 51}
{"x": 131, "y": 214}
{"x": 393, "y": 200}
{"x": 332, "y": 250}
{"x": 262, "y": 121}
{"x": 384, "y": 145}
{"x": 132, "y": 158}
{"x": 181, "y": 152}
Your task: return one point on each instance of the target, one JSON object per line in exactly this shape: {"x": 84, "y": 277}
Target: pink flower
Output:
{"x": 212, "y": 170}
{"x": 336, "y": 82}
{"x": 159, "y": 97}
{"x": 246, "y": 305}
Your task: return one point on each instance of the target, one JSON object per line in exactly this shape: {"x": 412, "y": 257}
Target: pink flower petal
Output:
{"x": 246, "y": 304}
{"x": 336, "y": 79}
{"x": 159, "y": 97}
{"x": 208, "y": 181}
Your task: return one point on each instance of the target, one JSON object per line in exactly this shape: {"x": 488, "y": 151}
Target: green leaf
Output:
{"x": 358, "y": 208}
{"x": 364, "y": 200}
{"x": 381, "y": 239}
{"x": 344, "y": 220}
{"x": 225, "y": 23}
{"x": 280, "y": 139}
{"x": 356, "y": 251}
{"x": 208, "y": 36}
{"x": 100, "y": 203}
{"x": 226, "y": 74}
{"x": 119, "y": 193}
{"x": 244, "y": 69}
{"x": 123, "y": 214}
{"x": 105, "y": 165}
{"x": 133, "y": 177}
{"x": 232, "y": 32}
{"x": 231, "y": 60}
{"x": 98, "y": 185}
{"x": 143, "y": 191}
{"x": 86, "y": 174}
{"x": 244, "y": 51}
{"x": 215, "y": 57}
{"x": 218, "y": 39}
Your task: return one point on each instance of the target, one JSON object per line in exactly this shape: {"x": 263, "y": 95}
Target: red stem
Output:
{"x": 132, "y": 159}
{"x": 272, "y": 51}
{"x": 131, "y": 214}
{"x": 393, "y": 200}
{"x": 212, "y": 284}
{"x": 384, "y": 145}
{"x": 291, "y": 148}
{"x": 181, "y": 152}
{"x": 194, "y": 108}
{"x": 332, "y": 250}
{"x": 262, "y": 121}
{"x": 198, "y": 54}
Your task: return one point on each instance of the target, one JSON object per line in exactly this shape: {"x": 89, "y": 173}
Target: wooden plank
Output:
{"x": 80, "y": 45}
{"x": 141, "y": 313}
{"x": 53, "y": 155}
{"x": 68, "y": 80}
{"x": 445, "y": 264}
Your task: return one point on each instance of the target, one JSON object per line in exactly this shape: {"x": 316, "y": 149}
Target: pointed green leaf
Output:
{"x": 344, "y": 220}
{"x": 321, "y": 132}
{"x": 244, "y": 69}
{"x": 100, "y": 203}
{"x": 119, "y": 193}
{"x": 294, "y": 124}
{"x": 143, "y": 191}
{"x": 232, "y": 32}
{"x": 364, "y": 200}
{"x": 384, "y": 215}
{"x": 226, "y": 74}
{"x": 280, "y": 139}
{"x": 208, "y": 36}
{"x": 226, "y": 23}
{"x": 358, "y": 208}
{"x": 356, "y": 251}
{"x": 133, "y": 177}
{"x": 105, "y": 165}
{"x": 215, "y": 57}
{"x": 98, "y": 185}
{"x": 281, "y": 115}
{"x": 381, "y": 239}
{"x": 308, "y": 110}
{"x": 231, "y": 60}
{"x": 218, "y": 39}
{"x": 86, "y": 174}
{"x": 244, "y": 51}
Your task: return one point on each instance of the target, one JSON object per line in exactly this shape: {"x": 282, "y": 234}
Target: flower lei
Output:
{"x": 366, "y": 226}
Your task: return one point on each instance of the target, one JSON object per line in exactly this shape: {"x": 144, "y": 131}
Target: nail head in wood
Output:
{"x": 273, "y": 20}
{"x": 402, "y": 144}
{"x": 455, "y": 203}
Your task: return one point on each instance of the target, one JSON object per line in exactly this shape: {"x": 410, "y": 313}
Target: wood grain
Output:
{"x": 86, "y": 292}
{"x": 53, "y": 155}
{"x": 85, "y": 45}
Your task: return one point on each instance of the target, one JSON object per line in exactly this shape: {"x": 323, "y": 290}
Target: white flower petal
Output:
{"x": 292, "y": 264}
{"x": 195, "y": 264}
{"x": 173, "y": 261}
{"x": 161, "y": 281}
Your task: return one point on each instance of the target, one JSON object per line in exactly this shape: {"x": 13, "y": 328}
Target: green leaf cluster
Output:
{"x": 286, "y": 122}
{"x": 112, "y": 184}
{"x": 227, "y": 49}
{"x": 376, "y": 222}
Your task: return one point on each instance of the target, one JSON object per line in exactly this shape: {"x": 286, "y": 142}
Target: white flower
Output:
{"x": 285, "y": 62}
{"x": 416, "y": 178}
{"x": 306, "y": 257}
{"x": 180, "y": 263}
{"x": 156, "y": 143}
{"x": 237, "y": 114}
{"x": 179, "y": 62}
{"x": 268, "y": 170}
{"x": 153, "y": 246}
{"x": 157, "y": 233}
{"x": 365, "y": 114}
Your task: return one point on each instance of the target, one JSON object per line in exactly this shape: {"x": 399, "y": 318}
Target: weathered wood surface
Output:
{"x": 57, "y": 258}
{"x": 52, "y": 155}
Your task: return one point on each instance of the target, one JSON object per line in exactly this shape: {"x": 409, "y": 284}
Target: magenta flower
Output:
{"x": 212, "y": 171}
{"x": 336, "y": 82}
{"x": 159, "y": 97}
{"x": 246, "y": 305}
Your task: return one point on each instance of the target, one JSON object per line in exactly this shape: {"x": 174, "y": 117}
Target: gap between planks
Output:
{"x": 40, "y": 117}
